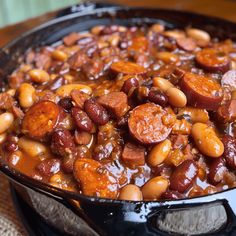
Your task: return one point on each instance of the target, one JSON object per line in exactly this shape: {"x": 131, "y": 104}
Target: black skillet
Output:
{"x": 212, "y": 215}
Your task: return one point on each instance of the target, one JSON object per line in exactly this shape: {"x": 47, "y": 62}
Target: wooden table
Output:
{"x": 220, "y": 8}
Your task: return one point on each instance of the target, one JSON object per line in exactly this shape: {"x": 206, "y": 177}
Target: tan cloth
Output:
{"x": 9, "y": 222}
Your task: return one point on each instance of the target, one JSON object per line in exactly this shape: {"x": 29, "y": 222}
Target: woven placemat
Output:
{"x": 10, "y": 225}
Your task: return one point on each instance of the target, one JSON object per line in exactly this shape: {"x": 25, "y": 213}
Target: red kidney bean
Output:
{"x": 158, "y": 97}
{"x": 82, "y": 137}
{"x": 49, "y": 167}
{"x": 55, "y": 84}
{"x": 171, "y": 195}
{"x": 62, "y": 142}
{"x": 229, "y": 151}
{"x": 66, "y": 103}
{"x": 129, "y": 84}
{"x": 82, "y": 120}
{"x": 216, "y": 170}
{"x": 103, "y": 151}
{"x": 96, "y": 112}
{"x": 183, "y": 176}
{"x": 10, "y": 146}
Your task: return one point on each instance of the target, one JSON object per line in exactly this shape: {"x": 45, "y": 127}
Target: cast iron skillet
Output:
{"x": 112, "y": 217}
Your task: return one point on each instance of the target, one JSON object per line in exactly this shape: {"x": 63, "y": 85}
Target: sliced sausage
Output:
{"x": 227, "y": 112}
{"x": 229, "y": 80}
{"x": 147, "y": 123}
{"x": 126, "y": 67}
{"x": 96, "y": 112}
{"x": 6, "y": 101}
{"x": 41, "y": 119}
{"x": 187, "y": 44}
{"x": 201, "y": 91}
{"x": 133, "y": 155}
{"x": 94, "y": 179}
{"x": 183, "y": 176}
{"x": 82, "y": 120}
{"x": 216, "y": 171}
{"x": 115, "y": 102}
{"x": 213, "y": 60}
{"x": 229, "y": 151}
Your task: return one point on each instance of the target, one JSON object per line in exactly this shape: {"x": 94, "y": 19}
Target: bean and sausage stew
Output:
{"x": 138, "y": 113}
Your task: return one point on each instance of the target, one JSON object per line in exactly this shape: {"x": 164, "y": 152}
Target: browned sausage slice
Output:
{"x": 201, "y": 91}
{"x": 187, "y": 44}
{"x": 41, "y": 119}
{"x": 115, "y": 102}
{"x": 148, "y": 125}
{"x": 126, "y": 67}
{"x": 133, "y": 155}
{"x": 227, "y": 112}
{"x": 229, "y": 80}
{"x": 213, "y": 60}
{"x": 95, "y": 180}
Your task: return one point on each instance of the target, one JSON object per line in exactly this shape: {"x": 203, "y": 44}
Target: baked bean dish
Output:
{"x": 130, "y": 113}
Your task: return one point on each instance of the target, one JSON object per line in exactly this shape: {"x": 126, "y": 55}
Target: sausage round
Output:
{"x": 147, "y": 125}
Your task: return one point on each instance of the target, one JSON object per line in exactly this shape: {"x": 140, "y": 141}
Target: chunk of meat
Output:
{"x": 229, "y": 151}
{"x": 115, "y": 102}
{"x": 133, "y": 155}
{"x": 147, "y": 123}
{"x": 179, "y": 141}
{"x": 95, "y": 180}
{"x": 41, "y": 119}
{"x": 126, "y": 67}
{"x": 79, "y": 97}
{"x": 227, "y": 112}
{"x": 71, "y": 39}
{"x": 213, "y": 60}
{"x": 6, "y": 101}
{"x": 201, "y": 91}
{"x": 217, "y": 169}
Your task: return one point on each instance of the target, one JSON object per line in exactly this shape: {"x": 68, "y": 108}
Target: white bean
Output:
{"x": 6, "y": 120}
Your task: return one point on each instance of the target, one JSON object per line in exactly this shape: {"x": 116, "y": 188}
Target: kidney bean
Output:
{"x": 171, "y": 195}
{"x": 82, "y": 137}
{"x": 131, "y": 192}
{"x": 158, "y": 97}
{"x": 62, "y": 142}
{"x": 49, "y": 167}
{"x": 55, "y": 83}
{"x": 229, "y": 80}
{"x": 126, "y": 67}
{"x": 201, "y": 91}
{"x": 154, "y": 188}
{"x": 187, "y": 44}
{"x": 10, "y": 146}
{"x": 146, "y": 124}
{"x": 66, "y": 103}
{"x": 183, "y": 176}
{"x": 129, "y": 84}
{"x": 217, "y": 169}
{"x": 103, "y": 151}
{"x": 96, "y": 112}
{"x": 213, "y": 60}
{"x": 41, "y": 119}
{"x": 229, "y": 151}
{"x": 227, "y": 112}
{"x": 95, "y": 180}
{"x": 83, "y": 122}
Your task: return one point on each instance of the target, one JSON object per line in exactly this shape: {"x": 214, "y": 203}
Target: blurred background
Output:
{"x": 12, "y": 11}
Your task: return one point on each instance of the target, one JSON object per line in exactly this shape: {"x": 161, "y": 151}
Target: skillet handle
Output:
{"x": 200, "y": 216}
{"x": 85, "y": 6}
